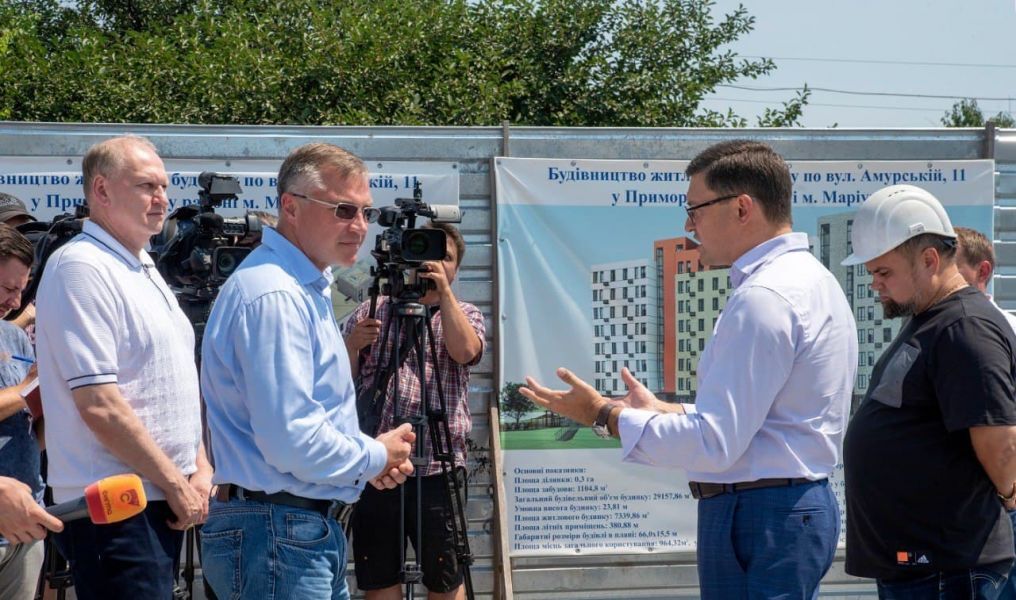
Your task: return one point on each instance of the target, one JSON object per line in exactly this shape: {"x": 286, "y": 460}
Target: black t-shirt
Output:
{"x": 918, "y": 500}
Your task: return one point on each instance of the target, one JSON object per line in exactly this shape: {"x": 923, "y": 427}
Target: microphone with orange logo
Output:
{"x": 106, "y": 501}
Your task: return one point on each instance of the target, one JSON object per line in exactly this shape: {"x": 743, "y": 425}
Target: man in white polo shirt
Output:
{"x": 119, "y": 382}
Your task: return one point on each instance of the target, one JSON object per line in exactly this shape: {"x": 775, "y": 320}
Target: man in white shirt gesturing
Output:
{"x": 774, "y": 388}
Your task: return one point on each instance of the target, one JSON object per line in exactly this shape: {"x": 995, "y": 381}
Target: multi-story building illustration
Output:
{"x": 701, "y": 296}
{"x": 671, "y": 257}
{"x": 625, "y": 325}
{"x": 874, "y": 331}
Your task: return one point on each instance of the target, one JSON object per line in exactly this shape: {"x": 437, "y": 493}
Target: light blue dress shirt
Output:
{"x": 774, "y": 382}
{"x": 281, "y": 406}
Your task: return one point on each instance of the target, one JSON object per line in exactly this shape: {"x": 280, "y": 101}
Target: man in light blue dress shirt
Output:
{"x": 774, "y": 388}
{"x": 281, "y": 406}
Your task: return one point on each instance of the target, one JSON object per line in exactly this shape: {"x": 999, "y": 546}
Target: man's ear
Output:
{"x": 930, "y": 259}
{"x": 984, "y": 272}
{"x": 288, "y": 207}
{"x": 745, "y": 204}
{"x": 99, "y": 191}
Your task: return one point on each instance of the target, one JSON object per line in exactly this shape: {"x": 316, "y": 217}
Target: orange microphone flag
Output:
{"x": 115, "y": 498}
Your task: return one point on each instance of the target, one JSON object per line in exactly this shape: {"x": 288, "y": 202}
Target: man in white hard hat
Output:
{"x": 930, "y": 454}
{"x": 774, "y": 390}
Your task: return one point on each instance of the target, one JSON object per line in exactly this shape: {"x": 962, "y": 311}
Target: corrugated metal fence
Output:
{"x": 657, "y": 576}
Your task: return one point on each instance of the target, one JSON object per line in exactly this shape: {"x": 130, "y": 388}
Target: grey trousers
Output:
{"x": 20, "y": 565}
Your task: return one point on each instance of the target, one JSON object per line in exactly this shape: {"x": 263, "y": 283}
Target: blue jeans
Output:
{"x": 965, "y": 584}
{"x": 1009, "y": 589}
{"x": 268, "y": 551}
{"x": 767, "y": 543}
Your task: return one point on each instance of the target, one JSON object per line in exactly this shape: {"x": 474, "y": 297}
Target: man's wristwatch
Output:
{"x": 600, "y": 424}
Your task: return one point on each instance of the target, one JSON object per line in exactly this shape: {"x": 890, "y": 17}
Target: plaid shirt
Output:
{"x": 454, "y": 379}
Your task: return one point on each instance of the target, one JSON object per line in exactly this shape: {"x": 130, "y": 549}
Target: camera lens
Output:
{"x": 226, "y": 263}
{"x": 417, "y": 245}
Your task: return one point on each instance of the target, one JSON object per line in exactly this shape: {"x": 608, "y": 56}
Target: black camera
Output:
{"x": 402, "y": 248}
{"x": 199, "y": 249}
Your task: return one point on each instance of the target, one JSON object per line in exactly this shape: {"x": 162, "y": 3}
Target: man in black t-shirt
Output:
{"x": 975, "y": 259}
{"x": 930, "y": 455}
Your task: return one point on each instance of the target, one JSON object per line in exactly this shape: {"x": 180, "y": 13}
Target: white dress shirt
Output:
{"x": 774, "y": 382}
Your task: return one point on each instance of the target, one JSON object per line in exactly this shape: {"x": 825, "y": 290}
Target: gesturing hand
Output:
{"x": 580, "y": 403}
{"x": 638, "y": 395}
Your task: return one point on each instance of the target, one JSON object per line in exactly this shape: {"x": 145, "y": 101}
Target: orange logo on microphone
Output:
{"x": 130, "y": 497}
{"x": 115, "y": 498}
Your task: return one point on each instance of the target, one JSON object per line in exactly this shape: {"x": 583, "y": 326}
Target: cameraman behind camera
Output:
{"x": 459, "y": 332}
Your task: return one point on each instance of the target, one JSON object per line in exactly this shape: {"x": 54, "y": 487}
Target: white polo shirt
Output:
{"x": 105, "y": 315}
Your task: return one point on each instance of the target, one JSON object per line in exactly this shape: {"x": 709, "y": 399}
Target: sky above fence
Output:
{"x": 898, "y": 63}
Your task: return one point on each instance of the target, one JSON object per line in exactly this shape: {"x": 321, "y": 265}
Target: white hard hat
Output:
{"x": 893, "y": 215}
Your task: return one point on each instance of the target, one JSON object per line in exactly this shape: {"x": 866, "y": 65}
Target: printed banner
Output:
{"x": 597, "y": 273}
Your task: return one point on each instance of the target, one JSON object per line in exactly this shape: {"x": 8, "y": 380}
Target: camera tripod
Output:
{"x": 409, "y": 326}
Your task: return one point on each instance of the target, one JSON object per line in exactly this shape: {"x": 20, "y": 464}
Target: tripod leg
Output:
{"x": 55, "y": 576}
{"x": 410, "y": 573}
{"x": 190, "y": 538}
{"x": 40, "y": 586}
{"x": 444, "y": 452}
{"x": 458, "y": 495}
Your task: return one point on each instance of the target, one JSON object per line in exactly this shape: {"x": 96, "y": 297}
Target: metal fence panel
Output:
{"x": 640, "y": 576}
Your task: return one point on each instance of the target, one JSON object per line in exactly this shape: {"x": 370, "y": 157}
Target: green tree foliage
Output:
{"x": 374, "y": 62}
{"x": 966, "y": 113}
{"x": 513, "y": 404}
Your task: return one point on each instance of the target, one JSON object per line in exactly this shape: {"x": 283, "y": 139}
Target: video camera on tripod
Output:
{"x": 402, "y": 247}
{"x": 401, "y": 251}
{"x": 199, "y": 249}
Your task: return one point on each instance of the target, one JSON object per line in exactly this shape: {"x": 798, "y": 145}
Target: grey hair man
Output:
{"x": 281, "y": 405}
{"x": 118, "y": 379}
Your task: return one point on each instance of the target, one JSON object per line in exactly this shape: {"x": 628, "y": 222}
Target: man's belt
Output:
{"x": 330, "y": 509}
{"x": 701, "y": 491}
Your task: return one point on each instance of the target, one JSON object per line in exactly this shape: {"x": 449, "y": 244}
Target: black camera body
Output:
{"x": 402, "y": 248}
{"x": 206, "y": 247}
{"x": 199, "y": 249}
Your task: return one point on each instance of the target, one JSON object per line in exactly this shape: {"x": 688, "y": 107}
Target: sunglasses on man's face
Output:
{"x": 345, "y": 210}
